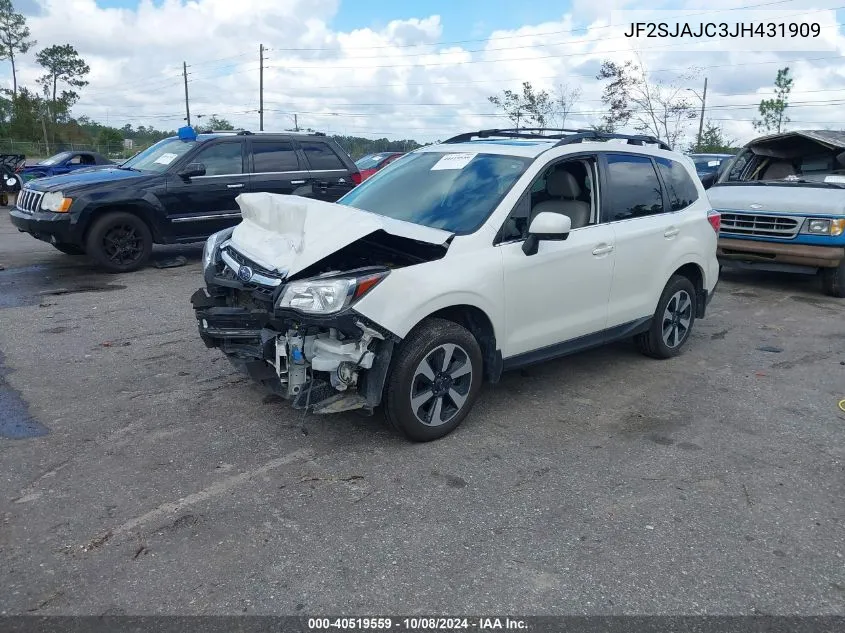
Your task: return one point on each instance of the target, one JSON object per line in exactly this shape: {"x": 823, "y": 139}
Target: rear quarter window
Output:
{"x": 321, "y": 156}
{"x": 680, "y": 188}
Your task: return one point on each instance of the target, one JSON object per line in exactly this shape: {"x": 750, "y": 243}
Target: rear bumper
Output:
{"x": 47, "y": 226}
{"x": 751, "y": 251}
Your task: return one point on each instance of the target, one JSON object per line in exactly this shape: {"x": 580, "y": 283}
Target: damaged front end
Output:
{"x": 290, "y": 322}
{"x": 327, "y": 362}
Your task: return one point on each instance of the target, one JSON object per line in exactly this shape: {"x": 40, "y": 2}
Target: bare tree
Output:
{"x": 563, "y": 99}
{"x": 659, "y": 108}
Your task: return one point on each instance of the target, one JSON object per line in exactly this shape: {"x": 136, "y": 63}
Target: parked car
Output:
{"x": 371, "y": 163}
{"x": 491, "y": 251}
{"x": 10, "y": 164}
{"x": 181, "y": 189}
{"x": 61, "y": 163}
{"x": 707, "y": 166}
{"x": 782, "y": 201}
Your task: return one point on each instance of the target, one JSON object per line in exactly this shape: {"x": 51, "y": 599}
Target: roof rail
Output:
{"x": 563, "y": 136}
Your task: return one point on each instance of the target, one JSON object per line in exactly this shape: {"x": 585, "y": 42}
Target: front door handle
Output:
{"x": 602, "y": 249}
{"x": 671, "y": 232}
{"x": 237, "y": 186}
{"x": 297, "y": 182}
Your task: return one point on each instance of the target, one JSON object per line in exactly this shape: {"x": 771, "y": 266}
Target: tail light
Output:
{"x": 356, "y": 177}
{"x": 715, "y": 219}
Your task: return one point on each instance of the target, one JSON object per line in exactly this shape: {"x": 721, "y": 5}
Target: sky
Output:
{"x": 405, "y": 69}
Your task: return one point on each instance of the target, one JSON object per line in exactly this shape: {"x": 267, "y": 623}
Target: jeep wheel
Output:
{"x": 120, "y": 242}
{"x": 434, "y": 380}
{"x": 672, "y": 322}
{"x": 833, "y": 280}
{"x": 69, "y": 249}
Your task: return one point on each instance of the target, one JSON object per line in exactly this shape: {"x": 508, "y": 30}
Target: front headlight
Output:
{"x": 824, "y": 226}
{"x": 54, "y": 201}
{"x": 327, "y": 296}
{"x": 212, "y": 244}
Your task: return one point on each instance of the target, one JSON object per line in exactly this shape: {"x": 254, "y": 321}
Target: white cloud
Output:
{"x": 391, "y": 80}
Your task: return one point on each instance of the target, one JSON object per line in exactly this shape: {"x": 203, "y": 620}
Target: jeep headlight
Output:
{"x": 823, "y": 226}
{"x": 327, "y": 296}
{"x": 54, "y": 201}
{"x": 209, "y": 251}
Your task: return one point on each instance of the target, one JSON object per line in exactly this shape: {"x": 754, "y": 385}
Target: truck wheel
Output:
{"x": 434, "y": 380}
{"x": 833, "y": 280}
{"x": 69, "y": 249}
{"x": 672, "y": 321}
{"x": 120, "y": 242}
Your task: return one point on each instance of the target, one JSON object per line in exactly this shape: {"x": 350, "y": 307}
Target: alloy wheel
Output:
{"x": 441, "y": 383}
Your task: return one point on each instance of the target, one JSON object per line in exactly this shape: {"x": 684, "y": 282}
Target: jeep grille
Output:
{"x": 29, "y": 201}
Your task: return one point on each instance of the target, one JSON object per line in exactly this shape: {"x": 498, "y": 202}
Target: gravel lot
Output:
{"x": 162, "y": 482}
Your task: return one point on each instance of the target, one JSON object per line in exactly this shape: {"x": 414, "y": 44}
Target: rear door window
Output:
{"x": 320, "y": 156}
{"x": 272, "y": 157}
{"x": 634, "y": 189}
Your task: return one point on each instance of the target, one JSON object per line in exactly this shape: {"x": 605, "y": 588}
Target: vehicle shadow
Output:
{"x": 784, "y": 282}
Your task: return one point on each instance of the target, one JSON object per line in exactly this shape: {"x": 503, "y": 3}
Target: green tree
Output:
{"x": 14, "y": 38}
{"x": 528, "y": 107}
{"x": 773, "y": 111}
{"x": 713, "y": 141}
{"x": 62, "y": 63}
{"x": 110, "y": 140}
{"x": 219, "y": 123}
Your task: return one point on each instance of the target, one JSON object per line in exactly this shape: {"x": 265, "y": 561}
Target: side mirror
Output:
{"x": 192, "y": 170}
{"x": 546, "y": 226}
{"x": 709, "y": 179}
{"x": 840, "y": 158}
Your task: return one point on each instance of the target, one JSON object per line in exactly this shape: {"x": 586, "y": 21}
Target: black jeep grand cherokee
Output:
{"x": 181, "y": 189}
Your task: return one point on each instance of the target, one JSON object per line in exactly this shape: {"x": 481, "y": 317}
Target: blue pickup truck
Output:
{"x": 782, "y": 201}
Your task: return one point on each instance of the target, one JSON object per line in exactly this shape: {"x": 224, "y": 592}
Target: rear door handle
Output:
{"x": 297, "y": 182}
{"x": 602, "y": 249}
{"x": 671, "y": 232}
{"x": 323, "y": 185}
{"x": 237, "y": 186}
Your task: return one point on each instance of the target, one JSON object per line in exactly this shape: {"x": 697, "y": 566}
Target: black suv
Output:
{"x": 181, "y": 189}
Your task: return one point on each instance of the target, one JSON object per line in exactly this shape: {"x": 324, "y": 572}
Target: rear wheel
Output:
{"x": 120, "y": 242}
{"x": 833, "y": 280}
{"x": 69, "y": 249}
{"x": 434, "y": 380}
{"x": 672, "y": 322}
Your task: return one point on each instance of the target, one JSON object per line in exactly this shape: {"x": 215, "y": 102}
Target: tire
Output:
{"x": 412, "y": 370}
{"x": 833, "y": 280}
{"x": 69, "y": 249}
{"x": 120, "y": 242}
{"x": 672, "y": 322}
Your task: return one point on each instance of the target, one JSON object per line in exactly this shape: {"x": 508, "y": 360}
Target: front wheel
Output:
{"x": 434, "y": 380}
{"x": 833, "y": 280}
{"x": 672, "y": 321}
{"x": 120, "y": 242}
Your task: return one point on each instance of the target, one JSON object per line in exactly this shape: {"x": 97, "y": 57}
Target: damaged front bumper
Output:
{"x": 325, "y": 364}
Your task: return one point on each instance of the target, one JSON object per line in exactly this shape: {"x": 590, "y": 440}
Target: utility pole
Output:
{"x": 701, "y": 119}
{"x": 295, "y": 124}
{"x": 261, "y": 87}
{"x": 187, "y": 107}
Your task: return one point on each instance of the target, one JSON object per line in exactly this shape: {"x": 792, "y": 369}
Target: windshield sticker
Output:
{"x": 165, "y": 159}
{"x": 837, "y": 179}
{"x": 454, "y": 161}
{"x": 713, "y": 163}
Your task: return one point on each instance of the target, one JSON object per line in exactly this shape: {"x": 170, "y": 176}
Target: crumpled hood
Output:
{"x": 289, "y": 233}
{"x": 786, "y": 198}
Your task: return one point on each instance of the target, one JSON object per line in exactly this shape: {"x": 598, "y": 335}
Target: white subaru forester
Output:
{"x": 490, "y": 251}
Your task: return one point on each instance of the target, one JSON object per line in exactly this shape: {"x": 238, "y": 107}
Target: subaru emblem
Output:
{"x": 244, "y": 273}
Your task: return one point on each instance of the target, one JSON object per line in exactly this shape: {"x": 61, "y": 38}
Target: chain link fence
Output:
{"x": 36, "y": 150}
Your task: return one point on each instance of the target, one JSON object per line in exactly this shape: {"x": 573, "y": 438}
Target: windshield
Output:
{"x": 369, "y": 161}
{"x": 55, "y": 160}
{"x": 157, "y": 157}
{"x": 814, "y": 165}
{"x": 451, "y": 191}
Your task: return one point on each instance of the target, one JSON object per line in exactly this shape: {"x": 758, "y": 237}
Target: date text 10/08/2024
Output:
{"x": 417, "y": 624}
